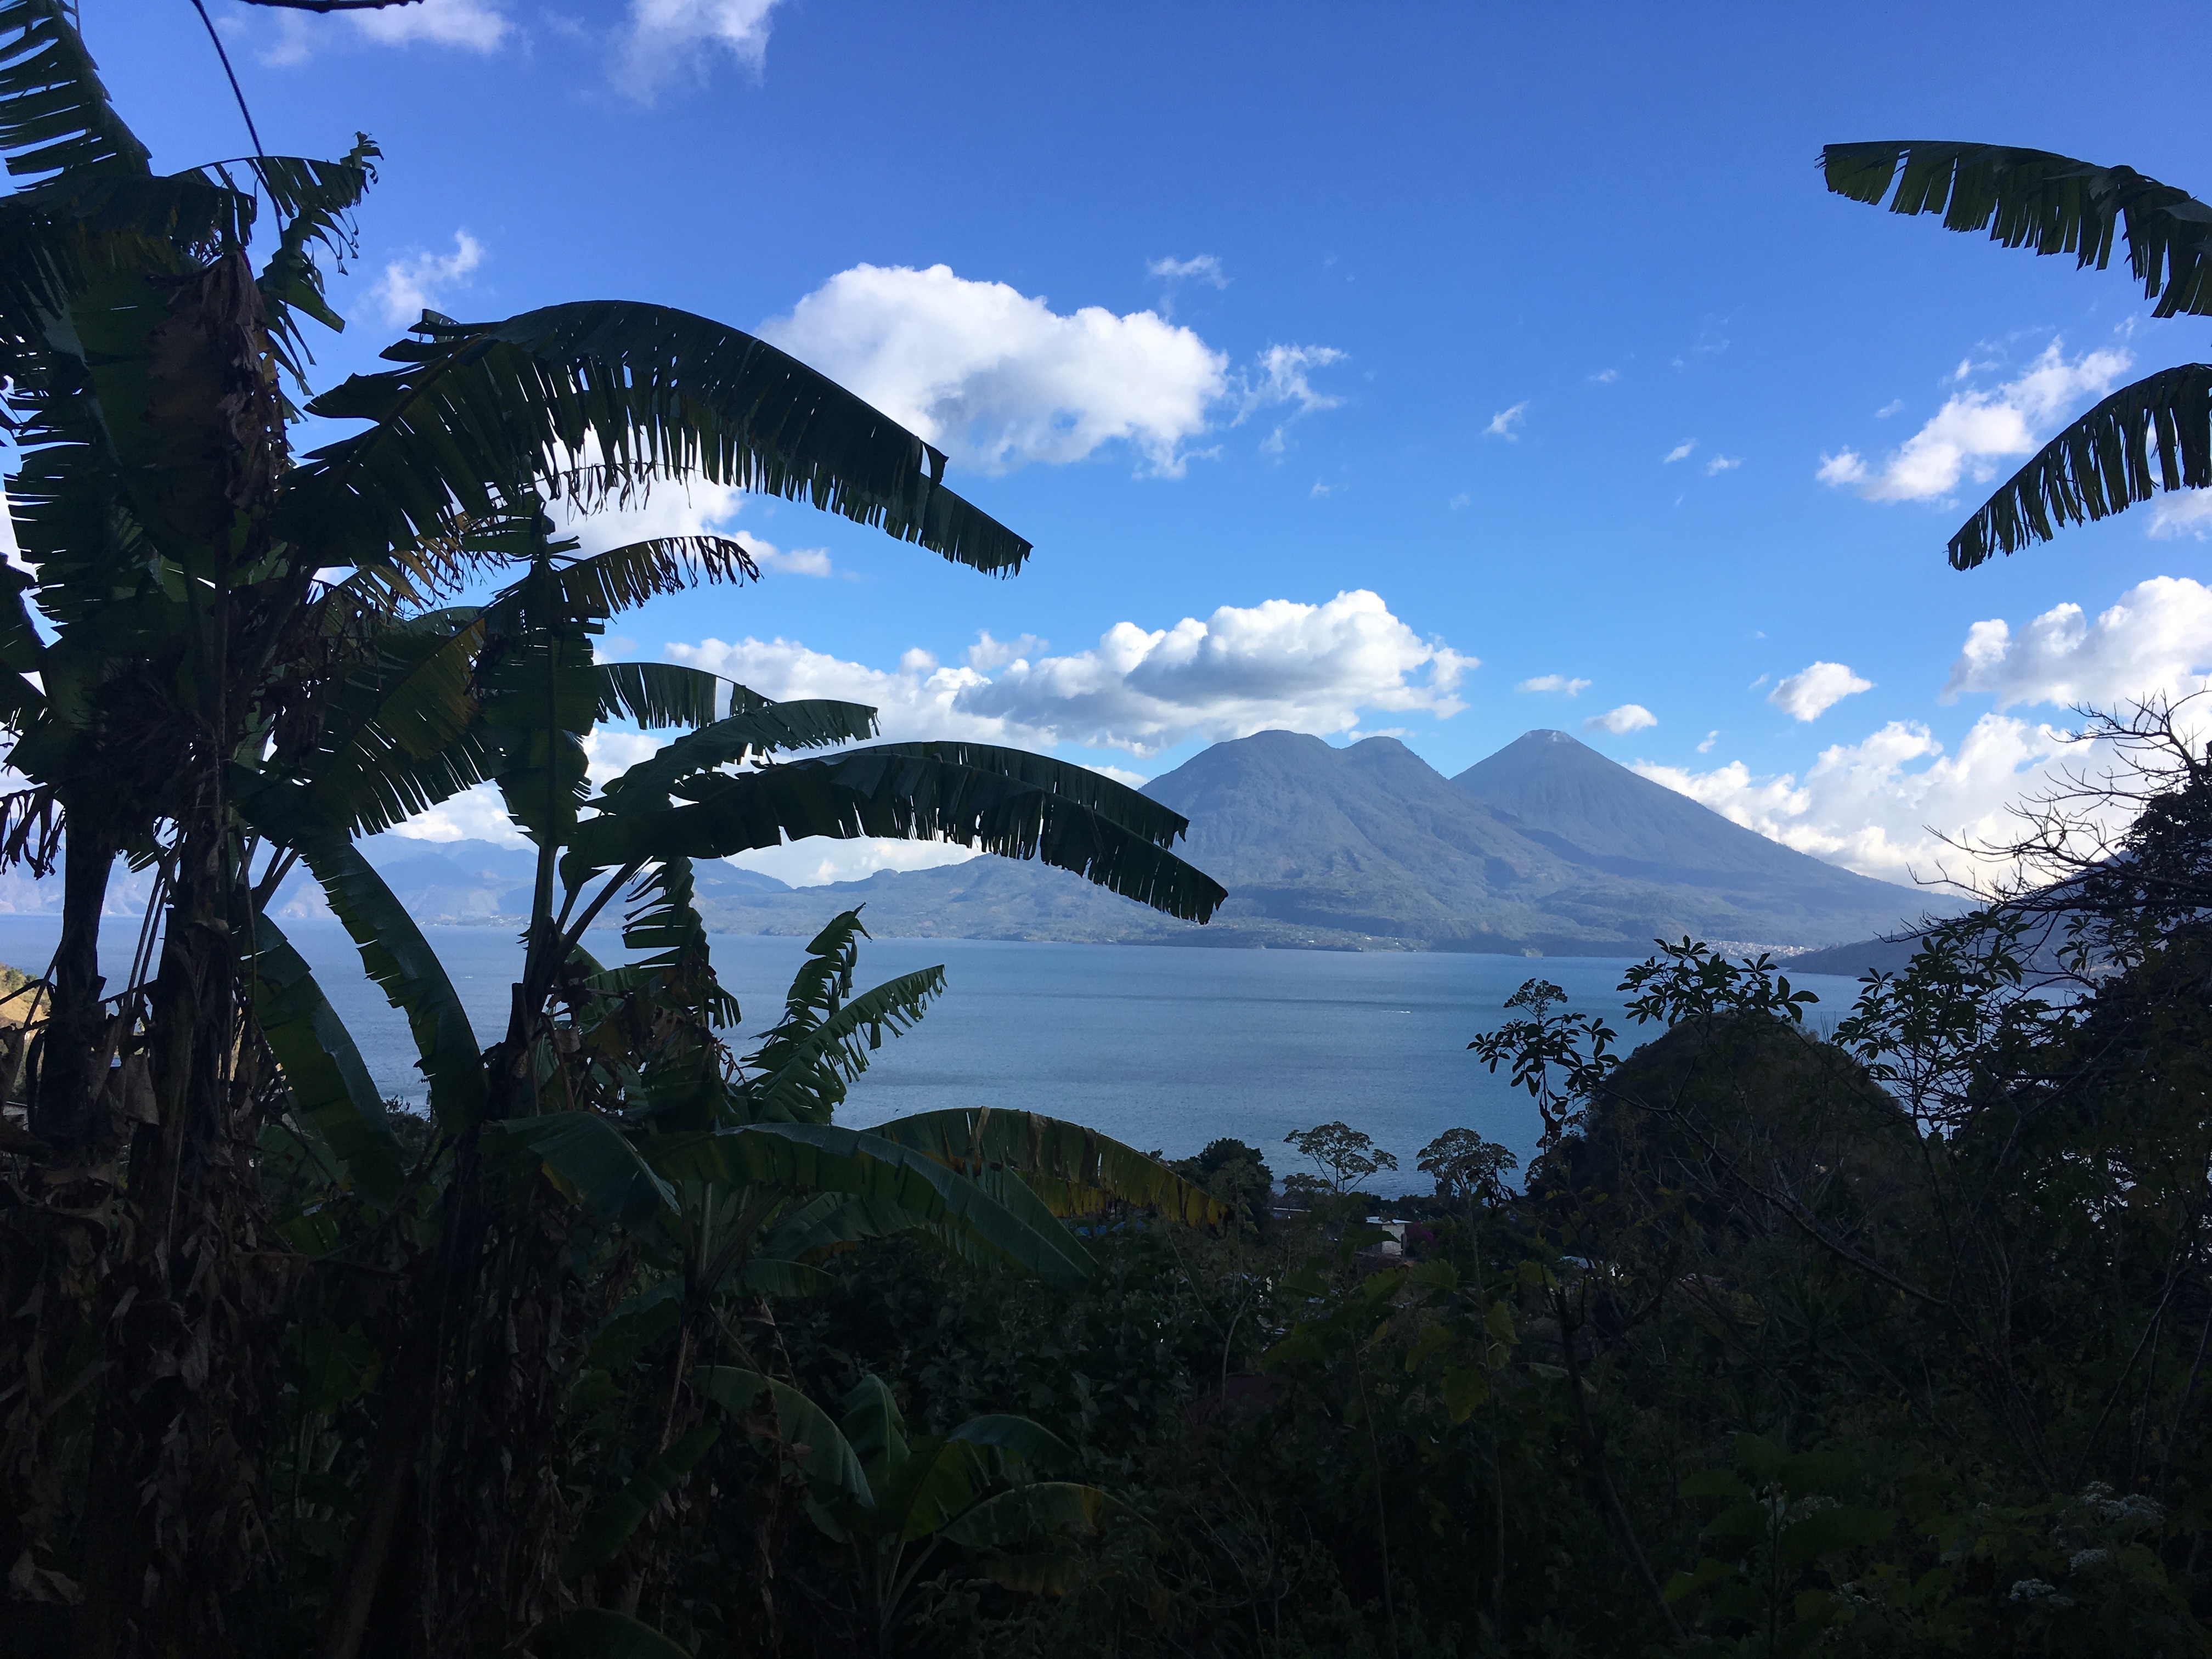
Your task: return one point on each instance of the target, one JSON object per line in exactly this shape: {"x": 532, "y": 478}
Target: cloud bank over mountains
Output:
{"x": 2158, "y": 636}
{"x": 1243, "y": 669}
{"x": 1885, "y": 805}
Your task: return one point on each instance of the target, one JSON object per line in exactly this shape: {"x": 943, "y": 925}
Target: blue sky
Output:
{"x": 1351, "y": 368}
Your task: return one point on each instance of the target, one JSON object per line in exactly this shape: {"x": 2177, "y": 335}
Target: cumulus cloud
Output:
{"x": 1680, "y": 452}
{"x": 1606, "y": 376}
{"x": 1198, "y": 268}
{"x": 1722, "y": 464}
{"x": 2184, "y": 513}
{"x": 468, "y": 24}
{"x": 421, "y": 282}
{"x": 1554, "y": 682}
{"x": 1975, "y": 430}
{"x": 1309, "y": 667}
{"x": 1885, "y": 805}
{"x": 1629, "y": 717}
{"x": 2156, "y": 639}
{"x": 1812, "y": 691}
{"x": 988, "y": 653}
{"x": 998, "y": 378}
{"x": 1711, "y": 738}
{"x": 1882, "y": 806}
{"x": 1506, "y": 422}
{"x": 667, "y": 42}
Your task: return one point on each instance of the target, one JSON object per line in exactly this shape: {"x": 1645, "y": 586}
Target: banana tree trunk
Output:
{"x": 72, "y": 1055}
{"x": 175, "y": 1522}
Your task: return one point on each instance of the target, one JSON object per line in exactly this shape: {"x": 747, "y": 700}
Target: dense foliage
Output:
{"x": 1887, "y": 1342}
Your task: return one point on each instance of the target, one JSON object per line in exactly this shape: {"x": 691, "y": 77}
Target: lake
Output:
{"x": 1160, "y": 1046}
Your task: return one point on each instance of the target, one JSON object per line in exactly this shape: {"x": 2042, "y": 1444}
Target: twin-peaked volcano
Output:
{"x": 1546, "y": 846}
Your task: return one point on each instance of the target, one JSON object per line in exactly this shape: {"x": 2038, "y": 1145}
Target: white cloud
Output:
{"x": 2156, "y": 639}
{"x": 988, "y": 653}
{"x": 1460, "y": 500}
{"x": 1307, "y": 668}
{"x": 1606, "y": 376}
{"x": 1975, "y": 430}
{"x": 816, "y": 860}
{"x": 1881, "y": 805}
{"x": 1554, "y": 682}
{"x": 1198, "y": 268}
{"x": 1503, "y": 423}
{"x": 792, "y": 561}
{"x": 470, "y": 25}
{"x": 419, "y": 283}
{"x": 1711, "y": 738}
{"x": 1629, "y": 717}
{"x": 664, "y": 42}
{"x": 1846, "y": 466}
{"x": 998, "y": 378}
{"x": 1722, "y": 464}
{"x": 1812, "y": 691}
{"x": 1281, "y": 379}
{"x": 1680, "y": 452}
{"x": 1318, "y": 490}
{"x": 1889, "y": 409}
{"x": 2185, "y": 512}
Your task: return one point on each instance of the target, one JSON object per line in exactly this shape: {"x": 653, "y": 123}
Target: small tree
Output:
{"x": 1341, "y": 1153}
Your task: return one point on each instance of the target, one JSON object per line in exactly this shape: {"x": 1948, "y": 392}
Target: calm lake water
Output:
{"x": 1160, "y": 1046}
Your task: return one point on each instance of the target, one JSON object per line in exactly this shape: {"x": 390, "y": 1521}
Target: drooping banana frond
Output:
{"x": 397, "y": 738}
{"x": 315, "y": 200}
{"x": 623, "y": 578}
{"x": 2053, "y": 204}
{"x": 803, "y": 723}
{"x": 614, "y": 1184}
{"x": 55, "y": 116}
{"x": 330, "y": 1086}
{"x": 2155, "y": 435}
{"x": 807, "y": 1062}
{"x": 665, "y": 930}
{"x": 392, "y": 948}
{"x": 479, "y": 413}
{"x": 658, "y": 693}
{"x": 1075, "y": 1170}
{"x": 1000, "y": 800}
{"x": 831, "y": 1460}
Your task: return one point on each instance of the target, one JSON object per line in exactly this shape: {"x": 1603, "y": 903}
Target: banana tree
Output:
{"x": 2154, "y": 435}
{"x": 189, "y": 685}
{"x": 615, "y": 1083}
{"x": 976, "y": 1485}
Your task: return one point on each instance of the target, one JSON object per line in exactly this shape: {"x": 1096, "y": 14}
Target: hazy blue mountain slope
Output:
{"x": 1578, "y": 853}
{"x": 1546, "y": 847}
{"x": 1597, "y": 813}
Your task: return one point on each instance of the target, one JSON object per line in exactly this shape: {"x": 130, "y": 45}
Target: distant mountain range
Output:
{"x": 1546, "y": 847}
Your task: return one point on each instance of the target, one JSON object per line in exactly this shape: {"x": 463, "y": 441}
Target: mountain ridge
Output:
{"x": 1546, "y": 847}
